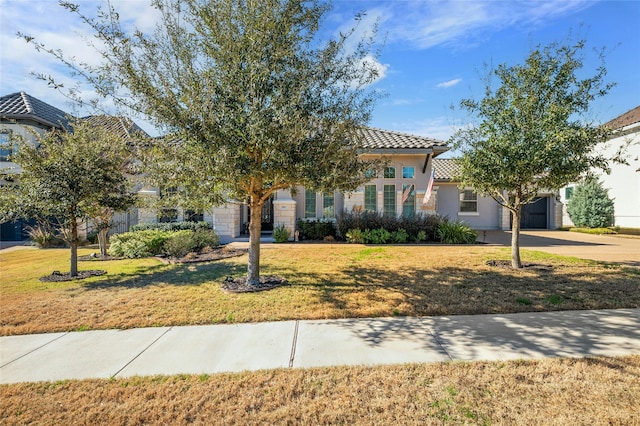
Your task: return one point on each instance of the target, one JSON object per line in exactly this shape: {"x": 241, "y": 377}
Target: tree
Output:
{"x": 66, "y": 177}
{"x": 534, "y": 134}
{"x": 590, "y": 205}
{"x": 252, "y": 100}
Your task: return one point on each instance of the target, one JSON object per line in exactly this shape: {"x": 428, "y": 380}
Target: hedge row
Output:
{"x": 153, "y": 242}
{"x": 171, "y": 226}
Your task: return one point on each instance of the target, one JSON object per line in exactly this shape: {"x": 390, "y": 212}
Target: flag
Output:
{"x": 407, "y": 193}
{"x": 427, "y": 194}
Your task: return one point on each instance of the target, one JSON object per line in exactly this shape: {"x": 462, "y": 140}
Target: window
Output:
{"x": 568, "y": 192}
{"x": 390, "y": 200}
{"x": 408, "y": 172}
{"x": 370, "y": 174}
{"x": 309, "y": 204}
{"x": 468, "y": 201}
{"x": 370, "y": 198}
{"x": 168, "y": 215}
{"x": 409, "y": 206}
{"x": 390, "y": 173}
{"x": 6, "y": 147}
{"x": 193, "y": 216}
{"x": 328, "y": 205}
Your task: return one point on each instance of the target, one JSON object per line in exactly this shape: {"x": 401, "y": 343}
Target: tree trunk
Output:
{"x": 74, "y": 248}
{"x": 255, "y": 228}
{"x": 103, "y": 235}
{"x": 515, "y": 237}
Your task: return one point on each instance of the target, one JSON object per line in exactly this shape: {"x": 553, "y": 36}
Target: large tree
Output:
{"x": 534, "y": 132}
{"x": 252, "y": 99}
{"x": 66, "y": 177}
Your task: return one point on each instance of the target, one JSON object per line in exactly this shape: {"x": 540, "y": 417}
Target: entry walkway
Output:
{"x": 300, "y": 344}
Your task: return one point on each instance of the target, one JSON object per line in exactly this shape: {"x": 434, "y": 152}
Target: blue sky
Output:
{"x": 432, "y": 57}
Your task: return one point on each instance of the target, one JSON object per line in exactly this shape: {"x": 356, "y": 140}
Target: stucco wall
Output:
{"x": 487, "y": 216}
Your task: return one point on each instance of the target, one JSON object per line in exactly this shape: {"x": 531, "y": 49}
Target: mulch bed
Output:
{"x": 217, "y": 253}
{"x": 506, "y": 264}
{"x": 97, "y": 256}
{"x": 240, "y": 285}
{"x": 57, "y": 276}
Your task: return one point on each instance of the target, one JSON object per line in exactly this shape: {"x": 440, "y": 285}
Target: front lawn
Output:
{"x": 325, "y": 281}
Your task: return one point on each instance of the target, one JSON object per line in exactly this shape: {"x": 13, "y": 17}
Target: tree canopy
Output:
{"x": 252, "y": 100}
{"x": 68, "y": 176}
{"x": 534, "y": 132}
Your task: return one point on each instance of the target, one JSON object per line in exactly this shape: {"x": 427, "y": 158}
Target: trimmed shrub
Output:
{"x": 456, "y": 233}
{"x": 138, "y": 244}
{"x": 355, "y": 236}
{"x": 400, "y": 236}
{"x": 315, "y": 229}
{"x": 205, "y": 238}
{"x": 180, "y": 243}
{"x": 419, "y": 227}
{"x": 171, "y": 226}
{"x": 281, "y": 234}
{"x": 590, "y": 205}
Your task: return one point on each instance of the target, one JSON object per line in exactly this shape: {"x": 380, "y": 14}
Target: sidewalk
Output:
{"x": 300, "y": 344}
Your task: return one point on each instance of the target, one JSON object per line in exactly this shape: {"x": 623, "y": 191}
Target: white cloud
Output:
{"x": 438, "y": 128}
{"x": 449, "y": 83}
{"x": 459, "y": 23}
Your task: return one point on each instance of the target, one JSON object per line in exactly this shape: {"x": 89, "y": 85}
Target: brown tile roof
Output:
{"x": 628, "y": 118}
{"x": 21, "y": 105}
{"x": 445, "y": 169}
{"x": 386, "y": 139}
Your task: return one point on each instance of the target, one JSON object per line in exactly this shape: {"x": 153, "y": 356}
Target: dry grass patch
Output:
{"x": 593, "y": 391}
{"x": 325, "y": 281}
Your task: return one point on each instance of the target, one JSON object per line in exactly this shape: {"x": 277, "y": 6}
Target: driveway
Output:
{"x": 606, "y": 248}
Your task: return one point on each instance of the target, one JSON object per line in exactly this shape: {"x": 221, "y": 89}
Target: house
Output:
{"x": 623, "y": 183}
{"x": 23, "y": 115}
{"x": 484, "y": 213}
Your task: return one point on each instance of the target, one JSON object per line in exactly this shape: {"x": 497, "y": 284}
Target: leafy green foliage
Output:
{"x": 456, "y": 233}
{"x": 534, "y": 132}
{"x": 590, "y": 205}
{"x": 152, "y": 242}
{"x": 67, "y": 177}
{"x": 315, "y": 229}
{"x": 281, "y": 234}
{"x": 418, "y": 227}
{"x": 255, "y": 101}
{"x": 171, "y": 226}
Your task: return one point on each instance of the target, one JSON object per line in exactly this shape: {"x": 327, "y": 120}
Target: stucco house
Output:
{"x": 484, "y": 213}
{"x": 623, "y": 183}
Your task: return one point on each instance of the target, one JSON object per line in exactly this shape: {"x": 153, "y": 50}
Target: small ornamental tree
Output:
{"x": 534, "y": 133}
{"x": 590, "y": 205}
{"x": 66, "y": 178}
{"x": 253, "y": 99}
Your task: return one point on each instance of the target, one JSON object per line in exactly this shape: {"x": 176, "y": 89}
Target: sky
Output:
{"x": 433, "y": 53}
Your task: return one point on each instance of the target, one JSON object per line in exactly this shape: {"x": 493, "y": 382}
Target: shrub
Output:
{"x": 355, "y": 236}
{"x": 171, "y": 226}
{"x": 315, "y": 229}
{"x": 205, "y": 238}
{"x": 377, "y": 236}
{"x": 456, "y": 233}
{"x": 400, "y": 236}
{"x": 419, "y": 227}
{"x": 42, "y": 237}
{"x": 180, "y": 243}
{"x": 281, "y": 234}
{"x": 590, "y": 205}
{"x": 138, "y": 244}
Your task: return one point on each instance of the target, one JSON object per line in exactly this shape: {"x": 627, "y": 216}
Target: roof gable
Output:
{"x": 21, "y": 105}
{"x": 445, "y": 169}
{"x": 378, "y": 139}
{"x": 628, "y": 118}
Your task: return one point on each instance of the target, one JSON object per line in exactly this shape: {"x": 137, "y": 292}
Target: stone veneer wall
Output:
{"x": 284, "y": 213}
{"x": 226, "y": 221}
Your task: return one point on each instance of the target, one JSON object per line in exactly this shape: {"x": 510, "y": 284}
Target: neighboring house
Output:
{"x": 484, "y": 213}
{"x": 623, "y": 183}
{"x": 21, "y": 114}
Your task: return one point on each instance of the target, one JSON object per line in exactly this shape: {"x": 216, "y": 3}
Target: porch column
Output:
{"x": 284, "y": 212}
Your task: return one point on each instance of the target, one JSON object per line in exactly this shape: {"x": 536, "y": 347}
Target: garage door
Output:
{"x": 534, "y": 214}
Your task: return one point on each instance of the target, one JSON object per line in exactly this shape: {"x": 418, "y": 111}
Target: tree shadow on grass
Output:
{"x": 192, "y": 274}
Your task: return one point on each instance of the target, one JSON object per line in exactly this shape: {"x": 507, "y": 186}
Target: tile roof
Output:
{"x": 123, "y": 126}
{"x": 21, "y": 105}
{"x": 628, "y": 118}
{"x": 445, "y": 168}
{"x": 386, "y": 139}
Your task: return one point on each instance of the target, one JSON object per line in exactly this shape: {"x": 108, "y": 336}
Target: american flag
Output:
{"x": 427, "y": 194}
{"x": 407, "y": 193}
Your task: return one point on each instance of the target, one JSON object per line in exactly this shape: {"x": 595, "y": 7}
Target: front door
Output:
{"x": 267, "y": 215}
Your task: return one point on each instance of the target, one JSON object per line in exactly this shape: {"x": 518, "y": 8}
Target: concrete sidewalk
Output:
{"x": 294, "y": 344}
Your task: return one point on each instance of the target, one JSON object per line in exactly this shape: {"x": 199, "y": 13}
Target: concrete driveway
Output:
{"x": 619, "y": 249}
